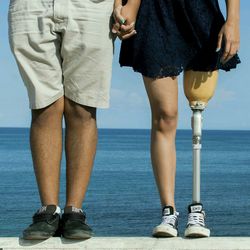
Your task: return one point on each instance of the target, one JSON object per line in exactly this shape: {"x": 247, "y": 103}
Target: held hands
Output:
{"x": 125, "y": 18}
{"x": 230, "y": 34}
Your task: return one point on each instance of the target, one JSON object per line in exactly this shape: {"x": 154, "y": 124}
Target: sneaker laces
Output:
{"x": 170, "y": 219}
{"x": 197, "y": 218}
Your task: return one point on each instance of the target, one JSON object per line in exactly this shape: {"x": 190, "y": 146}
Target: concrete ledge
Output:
{"x": 218, "y": 243}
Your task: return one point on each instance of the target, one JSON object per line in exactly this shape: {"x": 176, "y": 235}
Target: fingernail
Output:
{"x": 217, "y": 50}
{"x": 122, "y": 21}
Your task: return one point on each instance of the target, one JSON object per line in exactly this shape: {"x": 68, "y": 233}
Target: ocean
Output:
{"x": 122, "y": 198}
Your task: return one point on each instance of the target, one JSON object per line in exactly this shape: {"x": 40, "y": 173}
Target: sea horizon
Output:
{"x": 104, "y": 128}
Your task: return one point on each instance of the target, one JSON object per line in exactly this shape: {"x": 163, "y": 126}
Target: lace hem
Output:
{"x": 173, "y": 71}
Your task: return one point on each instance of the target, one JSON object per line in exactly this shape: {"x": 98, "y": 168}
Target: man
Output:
{"x": 64, "y": 51}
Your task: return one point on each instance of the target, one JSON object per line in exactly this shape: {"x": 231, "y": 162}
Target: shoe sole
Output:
{"x": 164, "y": 232}
{"x": 41, "y": 235}
{"x": 197, "y": 232}
{"x": 37, "y": 236}
{"x": 77, "y": 236}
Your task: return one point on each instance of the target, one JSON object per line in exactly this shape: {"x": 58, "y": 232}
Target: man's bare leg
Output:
{"x": 81, "y": 140}
{"x": 46, "y": 148}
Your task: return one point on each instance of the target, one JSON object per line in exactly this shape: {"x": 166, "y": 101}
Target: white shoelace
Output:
{"x": 170, "y": 219}
{"x": 196, "y": 218}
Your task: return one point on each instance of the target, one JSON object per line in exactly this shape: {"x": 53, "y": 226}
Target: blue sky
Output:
{"x": 229, "y": 108}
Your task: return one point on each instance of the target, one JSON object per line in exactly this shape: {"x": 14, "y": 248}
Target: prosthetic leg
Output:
{"x": 199, "y": 88}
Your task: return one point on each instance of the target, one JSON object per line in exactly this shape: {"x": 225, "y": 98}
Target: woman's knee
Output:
{"x": 165, "y": 121}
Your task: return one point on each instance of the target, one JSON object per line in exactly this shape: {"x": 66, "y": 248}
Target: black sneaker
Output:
{"x": 74, "y": 224}
{"x": 169, "y": 224}
{"x": 45, "y": 224}
{"x": 196, "y": 222}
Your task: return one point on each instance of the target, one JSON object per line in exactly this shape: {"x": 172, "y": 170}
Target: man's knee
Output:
{"x": 79, "y": 113}
{"x": 49, "y": 113}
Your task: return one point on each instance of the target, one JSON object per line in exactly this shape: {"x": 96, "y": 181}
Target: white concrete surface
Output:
{"x": 212, "y": 243}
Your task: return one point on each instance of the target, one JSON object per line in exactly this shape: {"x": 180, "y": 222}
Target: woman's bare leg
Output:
{"x": 163, "y": 98}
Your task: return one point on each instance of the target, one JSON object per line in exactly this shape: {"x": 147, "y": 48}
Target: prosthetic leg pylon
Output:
{"x": 199, "y": 88}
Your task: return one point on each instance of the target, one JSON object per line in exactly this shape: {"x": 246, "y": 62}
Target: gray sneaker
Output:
{"x": 46, "y": 223}
{"x": 196, "y": 222}
{"x": 169, "y": 224}
{"x": 74, "y": 224}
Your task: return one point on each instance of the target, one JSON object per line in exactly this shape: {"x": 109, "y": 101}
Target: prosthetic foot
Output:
{"x": 199, "y": 88}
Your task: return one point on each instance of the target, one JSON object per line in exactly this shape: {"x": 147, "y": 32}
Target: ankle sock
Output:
{"x": 71, "y": 209}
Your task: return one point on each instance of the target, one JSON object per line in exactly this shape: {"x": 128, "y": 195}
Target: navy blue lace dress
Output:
{"x": 176, "y": 35}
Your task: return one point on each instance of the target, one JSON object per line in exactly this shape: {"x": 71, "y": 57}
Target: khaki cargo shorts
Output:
{"x": 63, "y": 48}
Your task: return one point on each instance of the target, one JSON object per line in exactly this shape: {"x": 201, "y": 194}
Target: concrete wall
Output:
{"x": 212, "y": 243}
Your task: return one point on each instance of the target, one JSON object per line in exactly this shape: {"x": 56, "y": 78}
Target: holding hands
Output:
{"x": 125, "y": 18}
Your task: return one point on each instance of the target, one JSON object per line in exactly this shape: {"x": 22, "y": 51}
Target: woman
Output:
{"x": 172, "y": 36}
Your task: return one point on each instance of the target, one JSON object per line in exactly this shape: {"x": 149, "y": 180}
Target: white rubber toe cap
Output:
{"x": 164, "y": 231}
{"x": 196, "y": 231}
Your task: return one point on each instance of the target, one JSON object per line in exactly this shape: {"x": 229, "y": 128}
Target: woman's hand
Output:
{"x": 230, "y": 35}
{"x": 230, "y": 31}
